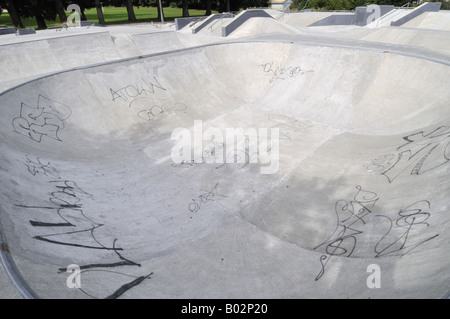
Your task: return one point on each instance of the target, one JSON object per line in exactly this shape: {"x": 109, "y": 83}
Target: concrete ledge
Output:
{"x": 336, "y": 19}
{"x": 212, "y": 18}
{"x": 7, "y": 30}
{"x": 241, "y": 18}
{"x": 426, "y": 7}
{"x": 25, "y": 31}
{"x": 90, "y": 24}
{"x": 180, "y": 23}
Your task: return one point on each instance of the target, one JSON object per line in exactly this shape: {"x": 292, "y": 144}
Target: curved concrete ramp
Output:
{"x": 361, "y": 185}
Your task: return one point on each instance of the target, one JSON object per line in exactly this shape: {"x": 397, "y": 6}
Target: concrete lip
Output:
{"x": 362, "y": 182}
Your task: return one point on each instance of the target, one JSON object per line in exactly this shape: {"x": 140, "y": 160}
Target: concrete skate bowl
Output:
{"x": 359, "y": 199}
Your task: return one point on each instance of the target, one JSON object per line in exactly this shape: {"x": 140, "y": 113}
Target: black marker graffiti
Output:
{"x": 409, "y": 220}
{"x": 157, "y": 112}
{"x": 130, "y": 92}
{"x": 235, "y": 156}
{"x": 66, "y": 212}
{"x": 186, "y": 164}
{"x": 352, "y": 218}
{"x": 119, "y": 292}
{"x": 421, "y": 153}
{"x": 277, "y": 72}
{"x": 46, "y": 119}
{"x": 141, "y": 98}
{"x": 204, "y": 198}
{"x": 36, "y": 167}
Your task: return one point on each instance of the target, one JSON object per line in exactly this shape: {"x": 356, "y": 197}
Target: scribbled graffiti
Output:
{"x": 46, "y": 119}
{"x": 240, "y": 158}
{"x": 278, "y": 72}
{"x": 350, "y": 217}
{"x": 205, "y": 197}
{"x": 130, "y": 92}
{"x": 63, "y": 222}
{"x": 36, "y": 167}
{"x": 397, "y": 240}
{"x": 159, "y": 111}
{"x": 146, "y": 100}
{"x": 421, "y": 153}
{"x": 135, "y": 281}
{"x": 355, "y": 217}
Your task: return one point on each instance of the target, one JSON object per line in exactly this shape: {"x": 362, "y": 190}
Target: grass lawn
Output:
{"x": 113, "y": 15}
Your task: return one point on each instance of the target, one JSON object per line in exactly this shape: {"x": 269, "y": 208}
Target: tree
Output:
{"x": 130, "y": 11}
{"x": 40, "y": 21}
{"x": 84, "y": 4}
{"x": 14, "y": 15}
{"x": 61, "y": 12}
{"x": 98, "y": 6}
{"x": 39, "y": 9}
{"x": 185, "y": 6}
{"x": 208, "y": 7}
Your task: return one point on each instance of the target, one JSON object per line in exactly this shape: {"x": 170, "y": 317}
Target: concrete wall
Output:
{"x": 426, "y": 7}
{"x": 180, "y": 23}
{"x": 211, "y": 19}
{"x": 336, "y": 19}
{"x": 362, "y": 14}
{"x": 7, "y": 31}
{"x": 241, "y": 18}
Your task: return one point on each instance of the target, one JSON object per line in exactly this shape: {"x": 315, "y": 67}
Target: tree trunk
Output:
{"x": 101, "y": 18}
{"x": 15, "y": 18}
{"x": 228, "y": 6}
{"x": 208, "y": 8}
{"x": 41, "y": 22}
{"x": 130, "y": 11}
{"x": 82, "y": 14}
{"x": 185, "y": 5}
{"x": 61, "y": 12}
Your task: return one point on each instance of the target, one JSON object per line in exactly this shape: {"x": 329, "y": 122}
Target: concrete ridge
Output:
{"x": 361, "y": 45}
{"x": 12, "y": 270}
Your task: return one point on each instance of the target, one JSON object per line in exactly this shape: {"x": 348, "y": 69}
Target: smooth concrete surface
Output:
{"x": 87, "y": 177}
{"x": 431, "y": 20}
{"x": 8, "y": 289}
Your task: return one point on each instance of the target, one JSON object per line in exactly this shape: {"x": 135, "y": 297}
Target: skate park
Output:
{"x": 361, "y": 177}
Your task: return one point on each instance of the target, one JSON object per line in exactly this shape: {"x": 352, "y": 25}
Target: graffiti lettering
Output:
{"x": 45, "y": 119}
{"x": 130, "y": 92}
{"x": 352, "y": 218}
{"x": 277, "y": 72}
{"x": 422, "y": 152}
{"x": 205, "y": 197}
